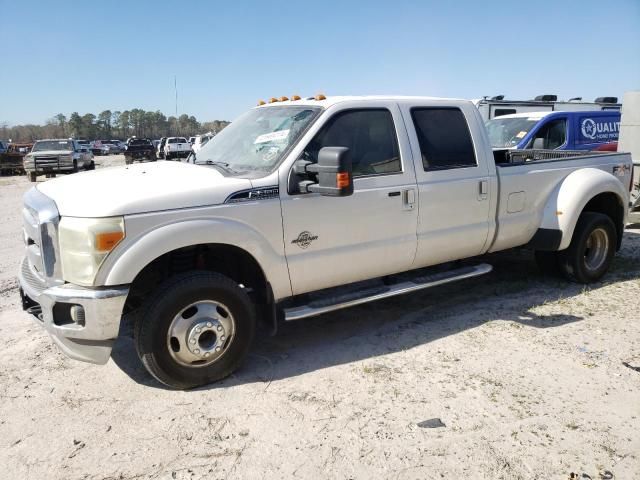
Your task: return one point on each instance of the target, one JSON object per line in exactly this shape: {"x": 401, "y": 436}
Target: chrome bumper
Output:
{"x": 89, "y": 333}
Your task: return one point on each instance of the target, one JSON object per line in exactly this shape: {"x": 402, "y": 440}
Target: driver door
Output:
{"x": 333, "y": 241}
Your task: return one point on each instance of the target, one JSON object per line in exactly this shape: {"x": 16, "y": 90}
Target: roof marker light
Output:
{"x": 273, "y": 100}
{"x": 261, "y": 102}
{"x": 295, "y": 97}
{"x": 320, "y": 96}
{"x": 284, "y": 99}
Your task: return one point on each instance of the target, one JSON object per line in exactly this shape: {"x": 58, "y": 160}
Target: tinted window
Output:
{"x": 445, "y": 141}
{"x": 368, "y": 134}
{"x": 503, "y": 111}
{"x": 551, "y": 135}
{"x": 139, "y": 141}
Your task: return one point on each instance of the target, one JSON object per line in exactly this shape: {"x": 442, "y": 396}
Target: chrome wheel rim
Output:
{"x": 596, "y": 249}
{"x": 200, "y": 333}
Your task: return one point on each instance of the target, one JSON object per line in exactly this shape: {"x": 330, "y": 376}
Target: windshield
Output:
{"x": 508, "y": 132}
{"x": 258, "y": 139}
{"x": 52, "y": 145}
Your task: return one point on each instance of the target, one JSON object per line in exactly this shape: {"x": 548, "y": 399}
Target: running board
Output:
{"x": 372, "y": 294}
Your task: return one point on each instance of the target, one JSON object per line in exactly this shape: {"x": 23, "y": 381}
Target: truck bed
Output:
{"x": 506, "y": 157}
{"x": 527, "y": 179}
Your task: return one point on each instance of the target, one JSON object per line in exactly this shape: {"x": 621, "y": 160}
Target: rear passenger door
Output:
{"x": 453, "y": 186}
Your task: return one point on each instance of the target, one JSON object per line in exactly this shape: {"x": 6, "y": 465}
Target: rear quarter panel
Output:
{"x": 551, "y": 194}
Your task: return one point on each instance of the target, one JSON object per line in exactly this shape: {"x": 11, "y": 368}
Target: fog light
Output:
{"x": 77, "y": 314}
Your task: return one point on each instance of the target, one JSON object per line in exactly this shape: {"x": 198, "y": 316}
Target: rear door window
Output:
{"x": 444, "y": 138}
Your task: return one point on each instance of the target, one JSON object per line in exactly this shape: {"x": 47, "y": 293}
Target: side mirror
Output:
{"x": 333, "y": 170}
{"x": 538, "y": 144}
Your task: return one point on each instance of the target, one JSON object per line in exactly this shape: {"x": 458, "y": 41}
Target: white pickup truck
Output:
{"x": 295, "y": 209}
{"x": 176, "y": 147}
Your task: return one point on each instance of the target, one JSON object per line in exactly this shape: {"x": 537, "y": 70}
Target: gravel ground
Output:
{"x": 511, "y": 375}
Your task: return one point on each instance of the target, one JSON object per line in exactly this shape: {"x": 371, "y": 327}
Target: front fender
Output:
{"x": 129, "y": 258}
{"x": 568, "y": 199}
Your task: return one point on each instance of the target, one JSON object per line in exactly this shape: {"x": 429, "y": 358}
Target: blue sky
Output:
{"x": 87, "y": 56}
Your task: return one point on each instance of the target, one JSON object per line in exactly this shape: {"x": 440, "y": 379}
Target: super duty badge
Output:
{"x": 304, "y": 239}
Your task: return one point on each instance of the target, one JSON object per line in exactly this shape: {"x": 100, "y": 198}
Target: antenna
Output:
{"x": 175, "y": 87}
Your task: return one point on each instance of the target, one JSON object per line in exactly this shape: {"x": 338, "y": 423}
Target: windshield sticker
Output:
{"x": 272, "y": 137}
{"x": 521, "y": 134}
{"x": 270, "y": 154}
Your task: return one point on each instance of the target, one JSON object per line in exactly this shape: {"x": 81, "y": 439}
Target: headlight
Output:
{"x": 85, "y": 243}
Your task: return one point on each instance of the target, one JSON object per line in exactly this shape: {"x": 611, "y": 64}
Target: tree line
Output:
{"x": 112, "y": 125}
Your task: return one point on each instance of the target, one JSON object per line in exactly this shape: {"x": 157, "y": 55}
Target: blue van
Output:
{"x": 554, "y": 130}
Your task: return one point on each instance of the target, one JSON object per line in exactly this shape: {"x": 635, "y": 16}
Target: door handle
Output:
{"x": 483, "y": 189}
{"x": 394, "y": 194}
{"x": 408, "y": 198}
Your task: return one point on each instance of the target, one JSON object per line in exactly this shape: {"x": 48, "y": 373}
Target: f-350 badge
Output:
{"x": 304, "y": 239}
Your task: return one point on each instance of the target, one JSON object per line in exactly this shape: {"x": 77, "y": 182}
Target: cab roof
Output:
{"x": 333, "y": 100}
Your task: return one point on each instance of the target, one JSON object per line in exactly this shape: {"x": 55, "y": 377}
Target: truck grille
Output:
{"x": 40, "y": 223}
{"x": 46, "y": 161}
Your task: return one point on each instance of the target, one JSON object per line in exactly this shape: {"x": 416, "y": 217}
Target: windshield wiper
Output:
{"x": 222, "y": 165}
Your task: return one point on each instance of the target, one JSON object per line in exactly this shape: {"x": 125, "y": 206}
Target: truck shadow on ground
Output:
{"x": 508, "y": 294}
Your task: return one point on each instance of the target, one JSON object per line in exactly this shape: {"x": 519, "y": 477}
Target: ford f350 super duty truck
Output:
{"x": 298, "y": 208}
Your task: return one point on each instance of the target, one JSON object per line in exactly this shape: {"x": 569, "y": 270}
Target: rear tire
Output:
{"x": 591, "y": 250}
{"x": 173, "y": 323}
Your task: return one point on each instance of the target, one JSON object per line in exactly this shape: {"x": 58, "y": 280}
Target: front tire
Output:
{"x": 33, "y": 176}
{"x": 591, "y": 250}
{"x": 196, "y": 329}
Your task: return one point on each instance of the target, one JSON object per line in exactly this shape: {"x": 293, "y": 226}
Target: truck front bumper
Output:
{"x": 83, "y": 322}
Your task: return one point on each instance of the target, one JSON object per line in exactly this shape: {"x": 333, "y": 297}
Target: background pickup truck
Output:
{"x": 555, "y": 130}
{"x": 176, "y": 147}
{"x": 48, "y": 157}
{"x": 299, "y": 208}
{"x": 139, "y": 149}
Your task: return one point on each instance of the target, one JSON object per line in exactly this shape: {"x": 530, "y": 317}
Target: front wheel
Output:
{"x": 591, "y": 250}
{"x": 196, "y": 329}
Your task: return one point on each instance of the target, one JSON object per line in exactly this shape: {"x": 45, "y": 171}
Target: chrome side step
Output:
{"x": 370, "y": 295}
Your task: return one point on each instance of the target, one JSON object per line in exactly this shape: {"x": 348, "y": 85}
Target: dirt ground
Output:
{"x": 519, "y": 376}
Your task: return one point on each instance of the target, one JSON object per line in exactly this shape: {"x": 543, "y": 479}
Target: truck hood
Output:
{"x": 139, "y": 188}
